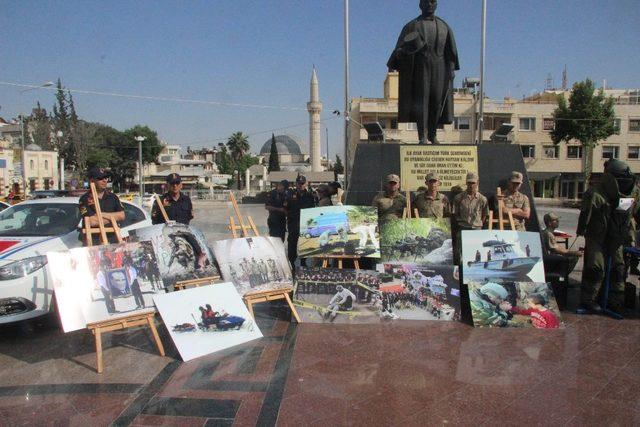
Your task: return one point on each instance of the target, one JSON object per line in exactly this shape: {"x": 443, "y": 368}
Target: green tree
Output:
{"x": 41, "y": 128}
{"x": 274, "y": 161}
{"x": 224, "y": 161}
{"x": 60, "y": 109}
{"x": 238, "y": 144}
{"x": 588, "y": 118}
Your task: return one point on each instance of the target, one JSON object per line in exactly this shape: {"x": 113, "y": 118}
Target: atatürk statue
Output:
{"x": 426, "y": 59}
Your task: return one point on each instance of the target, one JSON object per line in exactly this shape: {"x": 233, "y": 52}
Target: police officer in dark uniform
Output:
{"x": 177, "y": 204}
{"x": 110, "y": 205}
{"x": 277, "y": 220}
{"x": 297, "y": 199}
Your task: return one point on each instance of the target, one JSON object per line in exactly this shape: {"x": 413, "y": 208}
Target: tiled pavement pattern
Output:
{"x": 407, "y": 373}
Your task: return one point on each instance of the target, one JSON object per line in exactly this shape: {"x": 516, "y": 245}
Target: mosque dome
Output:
{"x": 286, "y": 144}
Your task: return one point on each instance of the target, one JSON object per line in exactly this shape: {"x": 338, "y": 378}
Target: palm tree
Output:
{"x": 238, "y": 144}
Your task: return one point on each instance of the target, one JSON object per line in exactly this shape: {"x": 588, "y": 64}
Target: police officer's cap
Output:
{"x": 284, "y": 183}
{"x": 97, "y": 173}
{"x": 174, "y": 178}
{"x": 301, "y": 179}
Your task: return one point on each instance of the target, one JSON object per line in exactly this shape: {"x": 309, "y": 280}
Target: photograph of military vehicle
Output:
{"x": 339, "y": 230}
{"x": 206, "y": 319}
{"x": 496, "y": 254}
{"x": 417, "y": 240}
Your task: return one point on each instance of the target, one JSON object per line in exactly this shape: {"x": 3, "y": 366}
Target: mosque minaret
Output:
{"x": 314, "y": 106}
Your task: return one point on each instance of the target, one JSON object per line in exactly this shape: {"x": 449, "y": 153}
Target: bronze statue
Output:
{"x": 426, "y": 59}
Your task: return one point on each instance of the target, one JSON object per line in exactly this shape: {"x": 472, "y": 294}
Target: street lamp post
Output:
{"x": 60, "y": 134}
{"x": 140, "y": 179}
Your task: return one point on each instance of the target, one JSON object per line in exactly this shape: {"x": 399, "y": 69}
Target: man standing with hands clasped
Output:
{"x": 470, "y": 210}
{"x": 431, "y": 203}
{"x": 516, "y": 202}
{"x": 177, "y": 204}
{"x": 390, "y": 202}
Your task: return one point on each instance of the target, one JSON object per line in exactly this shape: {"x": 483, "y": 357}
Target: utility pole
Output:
{"x": 482, "y": 54}
{"x": 24, "y": 158}
{"x": 140, "y": 179}
{"x": 346, "y": 94}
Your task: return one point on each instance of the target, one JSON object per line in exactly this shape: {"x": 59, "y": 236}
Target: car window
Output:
{"x": 39, "y": 219}
{"x": 132, "y": 215}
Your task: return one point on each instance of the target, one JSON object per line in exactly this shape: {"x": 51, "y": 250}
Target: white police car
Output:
{"x": 28, "y": 231}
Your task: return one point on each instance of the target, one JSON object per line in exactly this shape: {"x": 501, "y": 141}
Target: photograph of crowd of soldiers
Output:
{"x": 256, "y": 272}
{"x": 253, "y": 263}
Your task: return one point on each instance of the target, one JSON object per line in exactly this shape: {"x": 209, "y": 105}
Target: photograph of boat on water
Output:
{"x": 498, "y": 254}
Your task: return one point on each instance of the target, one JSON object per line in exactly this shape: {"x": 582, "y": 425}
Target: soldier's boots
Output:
{"x": 589, "y": 308}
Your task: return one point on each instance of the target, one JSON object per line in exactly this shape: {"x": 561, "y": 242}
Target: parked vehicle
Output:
{"x": 331, "y": 222}
{"x": 43, "y": 194}
{"x": 28, "y": 231}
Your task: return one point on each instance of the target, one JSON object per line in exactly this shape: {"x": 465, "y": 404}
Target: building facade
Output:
{"x": 555, "y": 171}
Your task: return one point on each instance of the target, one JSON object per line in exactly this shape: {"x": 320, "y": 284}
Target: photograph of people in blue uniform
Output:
{"x": 206, "y": 319}
{"x": 417, "y": 240}
{"x": 99, "y": 283}
{"x": 499, "y": 254}
{"x": 339, "y": 230}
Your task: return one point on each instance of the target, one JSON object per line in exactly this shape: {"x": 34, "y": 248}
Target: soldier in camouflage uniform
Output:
{"x": 390, "y": 202}
{"x": 606, "y": 224}
{"x": 431, "y": 203}
{"x": 489, "y": 305}
{"x": 516, "y": 202}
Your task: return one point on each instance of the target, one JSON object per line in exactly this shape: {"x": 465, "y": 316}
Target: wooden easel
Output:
{"x": 101, "y": 229}
{"x": 259, "y": 296}
{"x": 406, "y": 212}
{"x": 356, "y": 260}
{"x": 501, "y": 220}
{"x": 161, "y": 207}
{"x": 98, "y": 328}
{"x": 184, "y": 284}
{"x": 244, "y": 229}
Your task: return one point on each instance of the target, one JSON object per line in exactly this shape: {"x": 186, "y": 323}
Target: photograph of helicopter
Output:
{"x": 206, "y": 319}
{"x": 417, "y": 240}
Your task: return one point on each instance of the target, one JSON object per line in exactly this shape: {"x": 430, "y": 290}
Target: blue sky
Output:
{"x": 262, "y": 52}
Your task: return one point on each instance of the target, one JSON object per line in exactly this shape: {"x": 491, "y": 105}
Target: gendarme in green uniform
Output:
{"x": 390, "y": 207}
{"x": 432, "y": 207}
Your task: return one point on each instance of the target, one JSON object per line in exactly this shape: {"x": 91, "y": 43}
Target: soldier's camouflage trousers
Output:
{"x": 594, "y": 271}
